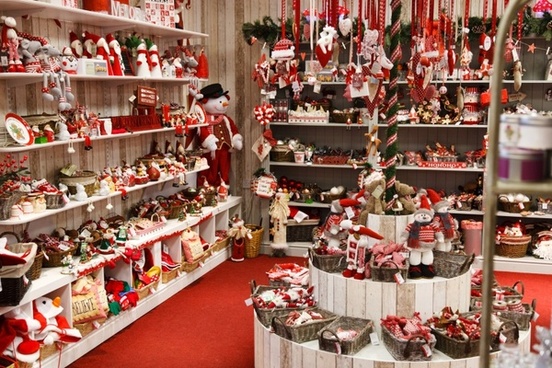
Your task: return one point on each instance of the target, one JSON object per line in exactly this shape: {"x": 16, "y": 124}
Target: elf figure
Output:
{"x": 221, "y": 137}
{"x": 10, "y": 41}
{"x": 421, "y": 237}
{"x": 357, "y": 243}
{"x": 443, "y": 220}
{"x": 279, "y": 213}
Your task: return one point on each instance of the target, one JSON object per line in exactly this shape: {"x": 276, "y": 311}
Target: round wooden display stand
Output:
{"x": 372, "y": 300}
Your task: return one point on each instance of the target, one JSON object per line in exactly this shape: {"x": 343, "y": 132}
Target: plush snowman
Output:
{"x": 69, "y": 62}
{"x": 143, "y": 66}
{"x": 54, "y": 326}
{"x": 421, "y": 237}
{"x": 443, "y": 220}
{"x": 220, "y": 137}
{"x": 15, "y": 341}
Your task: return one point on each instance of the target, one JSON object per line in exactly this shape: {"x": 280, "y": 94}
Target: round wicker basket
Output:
{"x": 87, "y": 178}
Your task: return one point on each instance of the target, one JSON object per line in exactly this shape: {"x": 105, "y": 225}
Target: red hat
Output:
{"x": 437, "y": 201}
{"x": 283, "y": 50}
{"x": 110, "y": 38}
{"x": 340, "y": 204}
{"x": 73, "y": 37}
{"x": 87, "y": 36}
{"x": 363, "y": 230}
{"x": 424, "y": 206}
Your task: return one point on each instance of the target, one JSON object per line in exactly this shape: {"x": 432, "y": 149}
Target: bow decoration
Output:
{"x": 264, "y": 113}
{"x": 373, "y": 142}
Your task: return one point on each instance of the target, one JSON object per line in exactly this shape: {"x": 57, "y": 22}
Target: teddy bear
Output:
{"x": 404, "y": 204}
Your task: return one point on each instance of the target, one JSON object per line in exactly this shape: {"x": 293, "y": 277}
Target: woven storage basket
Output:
{"x": 87, "y": 178}
{"x": 143, "y": 292}
{"x": 176, "y": 210}
{"x": 54, "y": 200}
{"x": 6, "y": 203}
{"x": 265, "y": 315}
{"x": 88, "y": 327}
{"x": 522, "y": 319}
{"x": 411, "y": 349}
{"x": 54, "y": 259}
{"x": 329, "y": 341}
{"x": 220, "y": 244}
{"x": 13, "y": 290}
{"x": 281, "y": 153}
{"x": 513, "y": 246}
{"x": 36, "y": 268}
{"x": 27, "y": 251}
{"x": 190, "y": 266}
{"x": 300, "y": 232}
{"x": 449, "y": 265}
{"x": 387, "y": 274}
{"x": 328, "y": 263}
{"x": 514, "y": 207}
{"x": 306, "y": 331}
{"x": 253, "y": 244}
{"x": 169, "y": 276}
{"x": 510, "y": 293}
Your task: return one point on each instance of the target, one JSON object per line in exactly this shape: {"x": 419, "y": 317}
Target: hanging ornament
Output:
{"x": 324, "y": 45}
{"x": 264, "y": 113}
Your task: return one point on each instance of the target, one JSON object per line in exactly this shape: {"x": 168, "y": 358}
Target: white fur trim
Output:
{"x": 237, "y": 141}
{"x": 279, "y": 245}
{"x": 210, "y": 143}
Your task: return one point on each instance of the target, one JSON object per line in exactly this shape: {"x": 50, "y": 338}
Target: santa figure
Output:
{"x": 279, "y": 212}
{"x": 115, "y": 56}
{"x": 421, "y": 237}
{"x": 443, "y": 220}
{"x": 76, "y": 44}
{"x": 220, "y": 137}
{"x": 357, "y": 243}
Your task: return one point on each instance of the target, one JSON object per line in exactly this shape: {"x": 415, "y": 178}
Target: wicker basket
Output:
{"x": 513, "y": 246}
{"x": 54, "y": 200}
{"x": 176, "y": 210}
{"x": 515, "y": 292}
{"x": 144, "y": 291}
{"x": 306, "y": 331}
{"x": 7, "y": 200}
{"x": 13, "y": 290}
{"x": 54, "y": 259}
{"x": 522, "y": 319}
{"x": 87, "y": 178}
{"x": 281, "y": 153}
{"x": 449, "y": 265}
{"x": 266, "y": 315}
{"x": 411, "y": 349}
{"x": 169, "y": 275}
{"x": 220, "y": 244}
{"x": 300, "y": 232}
{"x": 253, "y": 244}
{"x": 514, "y": 207}
{"x": 387, "y": 274}
{"x": 27, "y": 251}
{"x": 88, "y": 327}
{"x": 36, "y": 268}
{"x": 329, "y": 341}
{"x": 186, "y": 266}
{"x": 328, "y": 263}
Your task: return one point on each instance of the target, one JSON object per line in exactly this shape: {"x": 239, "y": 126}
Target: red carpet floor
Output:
{"x": 208, "y": 324}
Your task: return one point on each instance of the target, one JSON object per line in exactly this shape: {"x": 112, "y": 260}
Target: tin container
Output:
{"x": 535, "y": 132}
{"x": 509, "y": 130}
{"x": 471, "y": 96}
{"x": 521, "y": 165}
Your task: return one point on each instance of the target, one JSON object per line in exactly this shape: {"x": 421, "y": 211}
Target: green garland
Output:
{"x": 268, "y": 31}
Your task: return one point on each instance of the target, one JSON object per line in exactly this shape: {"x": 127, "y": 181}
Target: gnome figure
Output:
{"x": 115, "y": 56}
{"x": 443, "y": 221}
{"x": 357, "y": 243}
{"x": 221, "y": 137}
{"x": 76, "y": 44}
{"x": 421, "y": 237}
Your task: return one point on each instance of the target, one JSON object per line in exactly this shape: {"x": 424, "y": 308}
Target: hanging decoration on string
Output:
{"x": 325, "y": 43}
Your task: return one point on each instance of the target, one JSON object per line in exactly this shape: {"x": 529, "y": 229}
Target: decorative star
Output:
{"x": 532, "y": 48}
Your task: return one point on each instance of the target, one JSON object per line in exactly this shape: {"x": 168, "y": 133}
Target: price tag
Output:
{"x": 427, "y": 350}
{"x": 317, "y": 87}
{"x": 544, "y": 206}
{"x": 248, "y": 302}
{"x": 349, "y": 212}
{"x": 163, "y": 219}
{"x": 374, "y": 339}
{"x": 361, "y": 200}
{"x": 502, "y": 338}
{"x": 535, "y": 315}
{"x": 398, "y": 278}
{"x": 521, "y": 205}
{"x": 337, "y": 348}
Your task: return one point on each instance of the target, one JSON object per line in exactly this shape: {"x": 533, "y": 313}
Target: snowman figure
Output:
{"x": 54, "y": 326}
{"x": 143, "y": 66}
{"x": 443, "y": 220}
{"x": 155, "y": 62}
{"x": 220, "y": 137}
{"x": 69, "y": 62}
{"x": 421, "y": 237}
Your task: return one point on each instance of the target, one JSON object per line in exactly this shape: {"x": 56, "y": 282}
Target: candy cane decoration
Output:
{"x": 393, "y": 106}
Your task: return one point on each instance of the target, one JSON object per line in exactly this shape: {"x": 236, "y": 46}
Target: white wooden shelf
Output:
{"x": 26, "y": 218}
{"x": 360, "y": 166}
{"x": 522, "y": 265}
{"x": 104, "y": 21}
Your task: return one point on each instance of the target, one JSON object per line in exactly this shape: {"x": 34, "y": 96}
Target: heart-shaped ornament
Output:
{"x": 323, "y": 57}
{"x": 345, "y": 26}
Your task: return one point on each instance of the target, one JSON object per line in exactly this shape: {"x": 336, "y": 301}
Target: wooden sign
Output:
{"x": 146, "y": 96}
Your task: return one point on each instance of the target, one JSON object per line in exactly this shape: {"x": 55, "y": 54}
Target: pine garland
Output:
{"x": 393, "y": 106}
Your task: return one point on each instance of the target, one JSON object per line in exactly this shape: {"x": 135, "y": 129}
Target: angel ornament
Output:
{"x": 279, "y": 212}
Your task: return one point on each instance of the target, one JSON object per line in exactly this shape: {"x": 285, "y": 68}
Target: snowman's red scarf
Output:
{"x": 214, "y": 121}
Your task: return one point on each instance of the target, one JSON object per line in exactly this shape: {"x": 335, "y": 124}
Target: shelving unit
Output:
{"x": 107, "y": 96}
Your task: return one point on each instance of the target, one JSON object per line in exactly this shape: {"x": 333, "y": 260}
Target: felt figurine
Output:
{"x": 279, "y": 212}
{"x": 357, "y": 242}
{"x": 15, "y": 342}
{"x": 420, "y": 237}
{"x": 28, "y": 47}
{"x": 10, "y": 41}
{"x": 443, "y": 220}
{"x": 115, "y": 55}
{"x": 80, "y": 194}
{"x": 88, "y": 46}
{"x": 155, "y": 62}
{"x": 75, "y": 44}
{"x": 238, "y": 232}
{"x": 143, "y": 66}
{"x": 53, "y": 326}
{"x": 96, "y": 46}
{"x": 332, "y": 233}
{"x": 220, "y": 137}
{"x": 49, "y": 133}
{"x": 69, "y": 62}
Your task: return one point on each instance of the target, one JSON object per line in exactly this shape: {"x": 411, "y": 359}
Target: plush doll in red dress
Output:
{"x": 220, "y": 137}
